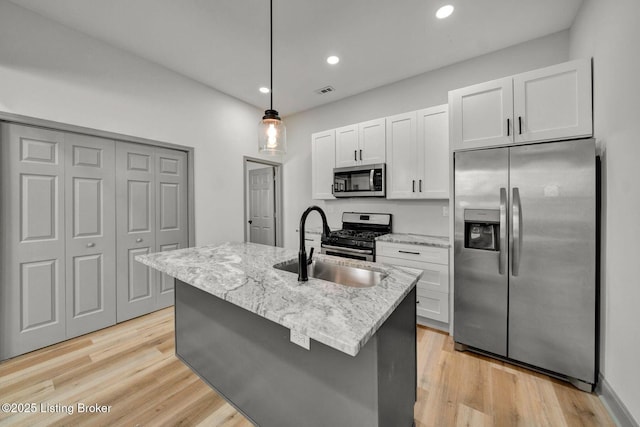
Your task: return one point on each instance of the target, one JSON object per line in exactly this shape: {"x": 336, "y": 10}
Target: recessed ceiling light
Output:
{"x": 444, "y": 11}
{"x": 333, "y": 60}
{"x": 264, "y": 89}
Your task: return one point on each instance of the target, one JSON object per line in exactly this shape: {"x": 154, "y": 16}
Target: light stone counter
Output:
{"x": 415, "y": 239}
{"x": 341, "y": 317}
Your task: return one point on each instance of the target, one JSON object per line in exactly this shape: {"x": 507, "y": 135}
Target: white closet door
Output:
{"x": 32, "y": 292}
{"x": 171, "y": 213}
{"x": 90, "y": 234}
{"x": 136, "y": 225}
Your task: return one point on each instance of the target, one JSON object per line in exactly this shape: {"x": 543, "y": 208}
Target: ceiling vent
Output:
{"x": 325, "y": 90}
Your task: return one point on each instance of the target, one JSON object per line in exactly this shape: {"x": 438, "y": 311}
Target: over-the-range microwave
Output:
{"x": 360, "y": 181}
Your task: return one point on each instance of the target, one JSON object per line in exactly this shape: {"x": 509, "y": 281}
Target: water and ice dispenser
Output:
{"x": 482, "y": 229}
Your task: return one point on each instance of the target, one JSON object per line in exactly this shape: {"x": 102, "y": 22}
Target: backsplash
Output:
{"x": 409, "y": 216}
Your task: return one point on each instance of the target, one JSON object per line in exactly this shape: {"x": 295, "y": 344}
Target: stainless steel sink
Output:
{"x": 342, "y": 274}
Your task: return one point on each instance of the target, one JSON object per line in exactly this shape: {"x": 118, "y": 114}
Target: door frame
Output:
{"x": 278, "y": 196}
{"x": 57, "y": 126}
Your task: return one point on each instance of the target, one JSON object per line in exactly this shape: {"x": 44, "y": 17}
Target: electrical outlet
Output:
{"x": 445, "y": 211}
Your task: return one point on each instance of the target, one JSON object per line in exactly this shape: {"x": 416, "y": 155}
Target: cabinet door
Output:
{"x": 372, "y": 139}
{"x": 323, "y": 159}
{"x": 433, "y": 153}
{"x": 171, "y": 213}
{"x": 32, "y": 292}
{"x": 402, "y": 154}
{"x": 90, "y": 234}
{"x": 481, "y": 115}
{"x": 553, "y": 102}
{"x": 347, "y": 146}
{"x": 136, "y": 225}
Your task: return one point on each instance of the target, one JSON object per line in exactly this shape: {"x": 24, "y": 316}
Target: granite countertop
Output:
{"x": 339, "y": 316}
{"x": 416, "y": 239}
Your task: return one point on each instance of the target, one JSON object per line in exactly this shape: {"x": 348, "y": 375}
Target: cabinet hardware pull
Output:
{"x": 90, "y": 245}
{"x": 420, "y": 186}
{"x": 355, "y": 155}
{"x": 413, "y": 185}
{"x": 308, "y": 240}
{"x": 360, "y": 155}
{"x": 409, "y": 252}
{"x": 508, "y": 127}
{"x": 520, "y": 124}
{"x": 417, "y": 302}
{"x": 138, "y": 240}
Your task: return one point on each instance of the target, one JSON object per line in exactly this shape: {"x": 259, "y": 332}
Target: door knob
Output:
{"x": 250, "y": 221}
{"x": 138, "y": 240}
{"x": 90, "y": 245}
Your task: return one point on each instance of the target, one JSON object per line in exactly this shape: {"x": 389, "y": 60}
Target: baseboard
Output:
{"x": 620, "y": 414}
{"x": 444, "y": 327}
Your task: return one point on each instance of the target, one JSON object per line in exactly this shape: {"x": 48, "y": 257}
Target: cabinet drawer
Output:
{"x": 435, "y": 277}
{"x": 413, "y": 252}
{"x": 312, "y": 241}
{"x": 432, "y": 305}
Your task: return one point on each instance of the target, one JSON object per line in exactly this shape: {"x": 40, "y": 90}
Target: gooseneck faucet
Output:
{"x": 302, "y": 253}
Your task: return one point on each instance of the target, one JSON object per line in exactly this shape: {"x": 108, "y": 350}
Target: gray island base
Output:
{"x": 252, "y": 363}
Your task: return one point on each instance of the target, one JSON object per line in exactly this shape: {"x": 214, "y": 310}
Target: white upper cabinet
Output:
{"x": 372, "y": 138}
{"x": 346, "y": 146}
{"x": 481, "y": 114}
{"x": 418, "y": 154}
{"x": 433, "y": 152}
{"x": 402, "y": 154}
{"x": 323, "y": 157}
{"x": 361, "y": 144}
{"x": 540, "y": 105}
{"x": 553, "y": 103}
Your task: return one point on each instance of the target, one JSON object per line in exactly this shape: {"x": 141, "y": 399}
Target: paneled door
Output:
{"x": 90, "y": 233}
{"x": 171, "y": 213}
{"x": 262, "y": 206}
{"x": 136, "y": 225}
{"x": 32, "y": 292}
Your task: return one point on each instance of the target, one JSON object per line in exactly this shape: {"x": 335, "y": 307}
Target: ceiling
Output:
{"x": 225, "y": 43}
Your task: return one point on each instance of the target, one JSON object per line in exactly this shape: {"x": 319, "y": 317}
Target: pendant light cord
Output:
{"x": 271, "y": 44}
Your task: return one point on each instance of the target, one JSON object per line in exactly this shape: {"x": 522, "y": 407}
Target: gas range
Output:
{"x": 356, "y": 240}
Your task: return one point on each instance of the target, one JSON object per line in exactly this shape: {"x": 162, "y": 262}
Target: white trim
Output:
{"x": 618, "y": 411}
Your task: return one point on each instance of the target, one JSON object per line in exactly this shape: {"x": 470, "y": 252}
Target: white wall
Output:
{"x": 418, "y": 92}
{"x": 51, "y": 72}
{"x": 608, "y": 31}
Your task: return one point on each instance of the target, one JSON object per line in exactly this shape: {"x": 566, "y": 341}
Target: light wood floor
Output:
{"x": 132, "y": 368}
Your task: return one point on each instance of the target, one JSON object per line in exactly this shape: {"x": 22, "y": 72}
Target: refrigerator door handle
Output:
{"x": 502, "y": 258}
{"x": 516, "y": 231}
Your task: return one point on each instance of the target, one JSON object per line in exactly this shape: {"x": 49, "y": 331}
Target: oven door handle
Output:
{"x": 347, "y": 250}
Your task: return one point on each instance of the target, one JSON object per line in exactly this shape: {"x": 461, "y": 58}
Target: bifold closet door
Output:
{"x": 171, "y": 213}
{"x": 32, "y": 292}
{"x": 90, "y": 234}
{"x": 136, "y": 224}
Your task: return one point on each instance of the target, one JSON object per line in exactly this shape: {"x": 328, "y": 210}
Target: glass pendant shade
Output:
{"x": 272, "y": 134}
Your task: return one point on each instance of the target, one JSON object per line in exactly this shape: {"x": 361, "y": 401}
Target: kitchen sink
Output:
{"x": 356, "y": 277}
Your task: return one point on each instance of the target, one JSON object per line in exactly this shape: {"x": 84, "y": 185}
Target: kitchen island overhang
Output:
{"x": 234, "y": 317}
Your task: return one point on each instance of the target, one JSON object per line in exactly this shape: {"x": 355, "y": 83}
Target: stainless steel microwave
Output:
{"x": 360, "y": 181}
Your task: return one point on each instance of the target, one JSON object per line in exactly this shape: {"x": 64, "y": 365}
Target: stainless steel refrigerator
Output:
{"x": 525, "y": 256}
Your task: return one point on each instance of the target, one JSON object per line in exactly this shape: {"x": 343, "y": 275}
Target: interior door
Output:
{"x": 481, "y": 276}
{"x": 262, "y": 206}
{"x": 90, "y": 234}
{"x": 171, "y": 213}
{"x": 552, "y": 276}
{"x": 136, "y": 225}
{"x": 33, "y": 292}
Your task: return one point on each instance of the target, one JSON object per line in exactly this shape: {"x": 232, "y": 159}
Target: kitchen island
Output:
{"x": 289, "y": 353}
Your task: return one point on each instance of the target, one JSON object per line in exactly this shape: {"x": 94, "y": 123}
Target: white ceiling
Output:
{"x": 225, "y": 43}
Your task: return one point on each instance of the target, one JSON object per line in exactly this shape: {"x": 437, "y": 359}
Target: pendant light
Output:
{"x": 272, "y": 133}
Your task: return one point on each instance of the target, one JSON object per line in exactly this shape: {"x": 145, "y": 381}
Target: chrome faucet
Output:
{"x": 303, "y": 262}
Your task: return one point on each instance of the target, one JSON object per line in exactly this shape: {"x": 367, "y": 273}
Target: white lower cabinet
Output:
{"x": 312, "y": 241}
{"x": 433, "y": 288}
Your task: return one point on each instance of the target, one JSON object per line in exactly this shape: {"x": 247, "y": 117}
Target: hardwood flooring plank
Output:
{"x": 132, "y": 368}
